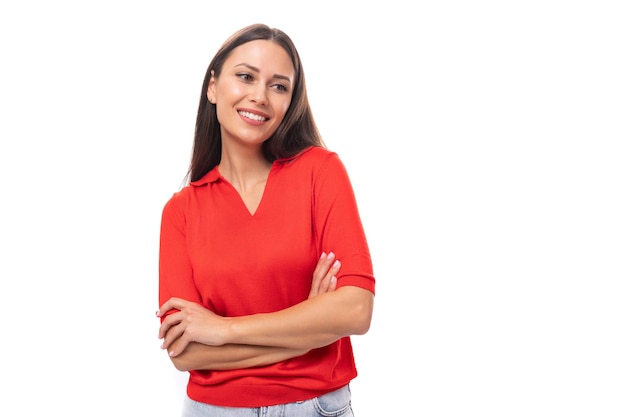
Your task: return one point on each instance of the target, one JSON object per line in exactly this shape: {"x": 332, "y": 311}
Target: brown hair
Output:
{"x": 297, "y": 131}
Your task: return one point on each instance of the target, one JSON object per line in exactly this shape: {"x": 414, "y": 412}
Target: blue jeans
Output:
{"x": 335, "y": 404}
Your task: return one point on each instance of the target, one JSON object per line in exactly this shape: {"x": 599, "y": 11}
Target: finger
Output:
{"x": 173, "y": 332}
{"x": 321, "y": 270}
{"x": 322, "y": 266}
{"x": 172, "y": 303}
{"x": 318, "y": 275}
{"x": 177, "y": 347}
{"x": 330, "y": 280}
{"x": 168, "y": 322}
{"x": 333, "y": 284}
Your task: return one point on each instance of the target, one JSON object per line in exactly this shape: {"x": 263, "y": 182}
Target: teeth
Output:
{"x": 252, "y": 116}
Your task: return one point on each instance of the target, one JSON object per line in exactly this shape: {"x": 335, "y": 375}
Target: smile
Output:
{"x": 253, "y": 116}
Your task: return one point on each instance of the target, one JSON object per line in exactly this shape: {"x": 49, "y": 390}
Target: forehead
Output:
{"x": 265, "y": 55}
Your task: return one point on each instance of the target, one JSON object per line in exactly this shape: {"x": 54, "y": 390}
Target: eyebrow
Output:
{"x": 255, "y": 69}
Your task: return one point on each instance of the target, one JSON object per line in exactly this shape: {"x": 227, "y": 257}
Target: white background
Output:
{"x": 485, "y": 144}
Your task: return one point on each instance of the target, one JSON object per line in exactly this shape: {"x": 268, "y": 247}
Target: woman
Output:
{"x": 264, "y": 269}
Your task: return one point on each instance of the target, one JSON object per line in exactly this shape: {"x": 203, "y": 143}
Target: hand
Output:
{"x": 325, "y": 275}
{"x": 191, "y": 323}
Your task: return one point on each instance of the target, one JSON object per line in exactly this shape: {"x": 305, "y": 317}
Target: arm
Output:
{"x": 187, "y": 356}
{"x": 313, "y": 323}
{"x": 198, "y": 356}
{"x": 316, "y": 322}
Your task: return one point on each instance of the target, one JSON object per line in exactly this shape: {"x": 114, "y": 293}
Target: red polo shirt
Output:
{"x": 214, "y": 252}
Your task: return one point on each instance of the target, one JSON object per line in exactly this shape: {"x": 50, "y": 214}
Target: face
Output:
{"x": 253, "y": 92}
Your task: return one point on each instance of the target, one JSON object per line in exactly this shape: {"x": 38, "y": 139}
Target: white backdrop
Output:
{"x": 485, "y": 143}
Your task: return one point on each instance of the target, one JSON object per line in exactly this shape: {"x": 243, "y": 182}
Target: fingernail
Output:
{"x": 323, "y": 255}
{"x": 336, "y": 264}
{"x": 331, "y": 255}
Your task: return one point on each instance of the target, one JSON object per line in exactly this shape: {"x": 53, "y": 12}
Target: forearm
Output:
{"x": 318, "y": 321}
{"x": 313, "y": 323}
{"x": 198, "y": 356}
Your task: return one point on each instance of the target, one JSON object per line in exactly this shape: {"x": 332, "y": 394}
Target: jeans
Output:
{"x": 336, "y": 403}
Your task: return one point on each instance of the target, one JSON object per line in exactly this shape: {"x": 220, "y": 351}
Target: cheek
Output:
{"x": 283, "y": 107}
{"x": 230, "y": 91}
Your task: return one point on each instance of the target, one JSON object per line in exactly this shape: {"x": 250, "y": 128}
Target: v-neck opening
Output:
{"x": 252, "y": 214}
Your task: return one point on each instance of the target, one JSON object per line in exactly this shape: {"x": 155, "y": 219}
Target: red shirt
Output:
{"x": 214, "y": 252}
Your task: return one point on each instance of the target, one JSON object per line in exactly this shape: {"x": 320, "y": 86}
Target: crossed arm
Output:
{"x": 197, "y": 338}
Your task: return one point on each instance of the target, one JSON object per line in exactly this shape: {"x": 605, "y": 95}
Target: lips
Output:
{"x": 252, "y": 116}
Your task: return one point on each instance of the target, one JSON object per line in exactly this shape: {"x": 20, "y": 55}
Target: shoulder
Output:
{"x": 318, "y": 153}
{"x": 178, "y": 199}
{"x": 319, "y": 166}
{"x": 189, "y": 191}
{"x": 312, "y": 157}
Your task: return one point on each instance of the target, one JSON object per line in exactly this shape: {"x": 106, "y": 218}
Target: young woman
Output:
{"x": 264, "y": 267}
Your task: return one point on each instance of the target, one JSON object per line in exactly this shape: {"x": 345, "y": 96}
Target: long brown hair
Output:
{"x": 297, "y": 131}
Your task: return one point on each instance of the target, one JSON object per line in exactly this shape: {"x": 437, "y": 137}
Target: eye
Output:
{"x": 245, "y": 76}
{"x": 280, "y": 87}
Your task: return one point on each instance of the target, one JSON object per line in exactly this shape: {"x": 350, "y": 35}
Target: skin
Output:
{"x": 257, "y": 79}
{"x": 252, "y": 95}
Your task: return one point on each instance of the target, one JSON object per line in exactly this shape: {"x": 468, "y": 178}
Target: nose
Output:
{"x": 258, "y": 94}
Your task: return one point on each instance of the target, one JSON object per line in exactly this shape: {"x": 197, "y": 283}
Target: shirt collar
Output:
{"x": 211, "y": 176}
{"x": 214, "y": 174}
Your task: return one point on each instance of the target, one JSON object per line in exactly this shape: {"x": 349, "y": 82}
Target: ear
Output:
{"x": 210, "y": 94}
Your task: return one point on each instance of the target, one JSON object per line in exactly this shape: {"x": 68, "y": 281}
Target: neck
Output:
{"x": 244, "y": 170}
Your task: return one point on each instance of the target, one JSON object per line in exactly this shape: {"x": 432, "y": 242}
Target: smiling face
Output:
{"x": 253, "y": 92}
